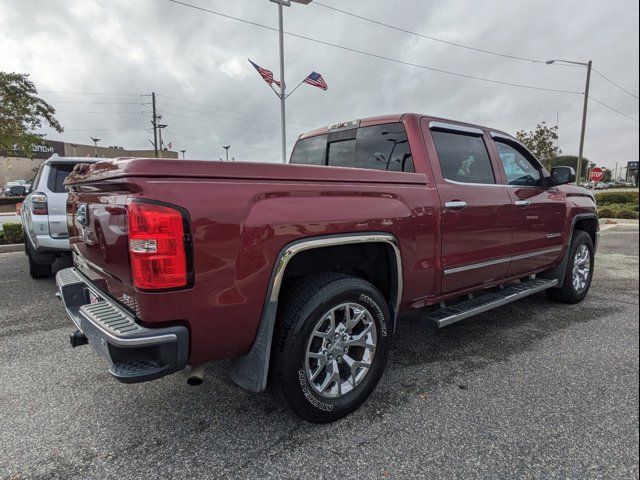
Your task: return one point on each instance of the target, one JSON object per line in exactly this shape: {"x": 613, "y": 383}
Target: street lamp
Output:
{"x": 285, "y": 3}
{"x": 226, "y": 149}
{"x": 95, "y": 145}
{"x": 584, "y": 111}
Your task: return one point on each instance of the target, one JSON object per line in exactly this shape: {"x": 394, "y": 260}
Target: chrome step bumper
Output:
{"x": 136, "y": 354}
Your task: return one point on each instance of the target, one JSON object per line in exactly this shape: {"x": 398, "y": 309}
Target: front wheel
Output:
{"x": 577, "y": 279}
{"x": 331, "y": 346}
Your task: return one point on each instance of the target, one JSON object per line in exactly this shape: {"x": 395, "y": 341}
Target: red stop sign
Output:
{"x": 596, "y": 174}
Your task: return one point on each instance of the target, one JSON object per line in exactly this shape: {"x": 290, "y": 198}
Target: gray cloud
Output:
{"x": 154, "y": 45}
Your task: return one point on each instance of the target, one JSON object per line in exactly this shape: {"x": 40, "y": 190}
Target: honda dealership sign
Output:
{"x": 44, "y": 150}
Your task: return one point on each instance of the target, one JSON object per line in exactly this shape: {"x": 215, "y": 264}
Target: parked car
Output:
{"x": 298, "y": 272}
{"x": 43, "y": 214}
{"x": 15, "y": 183}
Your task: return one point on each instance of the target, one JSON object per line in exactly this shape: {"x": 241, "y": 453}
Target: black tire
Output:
{"x": 38, "y": 270}
{"x": 303, "y": 307}
{"x": 568, "y": 293}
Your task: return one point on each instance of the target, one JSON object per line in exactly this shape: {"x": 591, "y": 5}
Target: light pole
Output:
{"x": 160, "y": 126}
{"x": 226, "y": 150}
{"x": 95, "y": 145}
{"x": 283, "y": 98}
{"x": 183, "y": 152}
{"x": 584, "y": 112}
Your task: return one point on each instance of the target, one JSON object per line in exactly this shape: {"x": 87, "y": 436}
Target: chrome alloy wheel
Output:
{"x": 581, "y": 268}
{"x": 341, "y": 349}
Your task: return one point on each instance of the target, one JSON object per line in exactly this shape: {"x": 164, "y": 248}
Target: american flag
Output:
{"x": 267, "y": 75}
{"x": 316, "y": 80}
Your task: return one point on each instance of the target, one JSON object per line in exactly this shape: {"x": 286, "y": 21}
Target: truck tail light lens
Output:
{"x": 39, "y": 204}
{"x": 156, "y": 246}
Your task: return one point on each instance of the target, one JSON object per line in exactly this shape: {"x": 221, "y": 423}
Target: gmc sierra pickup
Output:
{"x": 298, "y": 272}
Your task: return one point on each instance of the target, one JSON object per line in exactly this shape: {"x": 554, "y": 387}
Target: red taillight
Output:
{"x": 39, "y": 204}
{"x": 156, "y": 246}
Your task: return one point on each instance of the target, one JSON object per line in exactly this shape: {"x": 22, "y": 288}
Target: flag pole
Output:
{"x": 283, "y": 97}
{"x": 289, "y": 94}
{"x": 274, "y": 90}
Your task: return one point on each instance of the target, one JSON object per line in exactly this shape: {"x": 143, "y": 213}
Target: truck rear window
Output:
{"x": 57, "y": 174}
{"x": 379, "y": 147}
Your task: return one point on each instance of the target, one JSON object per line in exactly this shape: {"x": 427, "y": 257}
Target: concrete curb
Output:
{"x": 14, "y": 247}
{"x": 618, "y": 221}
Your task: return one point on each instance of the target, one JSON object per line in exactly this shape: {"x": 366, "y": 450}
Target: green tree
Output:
{"x": 572, "y": 161}
{"x": 542, "y": 142}
{"x": 607, "y": 175}
{"x": 22, "y": 112}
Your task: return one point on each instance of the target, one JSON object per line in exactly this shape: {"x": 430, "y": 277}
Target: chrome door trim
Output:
{"x": 537, "y": 252}
{"x": 455, "y": 182}
{"x": 473, "y": 266}
{"x": 522, "y": 203}
{"x": 498, "y": 261}
{"x": 453, "y": 127}
{"x": 314, "y": 243}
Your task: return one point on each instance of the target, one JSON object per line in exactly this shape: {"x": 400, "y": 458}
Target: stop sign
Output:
{"x": 596, "y": 174}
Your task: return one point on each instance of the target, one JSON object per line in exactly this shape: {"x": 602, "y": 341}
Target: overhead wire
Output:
{"x": 378, "y": 56}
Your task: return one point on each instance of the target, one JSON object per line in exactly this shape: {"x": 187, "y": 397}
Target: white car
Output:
{"x": 44, "y": 215}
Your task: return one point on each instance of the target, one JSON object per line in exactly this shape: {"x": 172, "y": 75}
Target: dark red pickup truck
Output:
{"x": 298, "y": 272}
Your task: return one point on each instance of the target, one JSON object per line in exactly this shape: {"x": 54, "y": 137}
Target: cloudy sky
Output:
{"x": 94, "y": 59}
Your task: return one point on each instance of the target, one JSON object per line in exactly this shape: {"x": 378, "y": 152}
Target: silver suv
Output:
{"x": 44, "y": 217}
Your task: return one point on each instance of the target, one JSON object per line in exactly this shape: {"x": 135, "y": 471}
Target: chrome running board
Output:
{"x": 468, "y": 308}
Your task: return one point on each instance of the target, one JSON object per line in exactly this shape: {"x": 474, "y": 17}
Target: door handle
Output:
{"x": 455, "y": 205}
{"x": 522, "y": 203}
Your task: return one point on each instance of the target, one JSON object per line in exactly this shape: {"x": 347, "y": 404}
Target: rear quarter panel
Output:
{"x": 240, "y": 227}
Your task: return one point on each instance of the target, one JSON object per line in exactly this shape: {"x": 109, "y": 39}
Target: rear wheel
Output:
{"x": 37, "y": 270}
{"x": 577, "y": 279}
{"x": 331, "y": 346}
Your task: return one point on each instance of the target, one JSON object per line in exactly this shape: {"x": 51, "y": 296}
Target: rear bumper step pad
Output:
{"x": 135, "y": 353}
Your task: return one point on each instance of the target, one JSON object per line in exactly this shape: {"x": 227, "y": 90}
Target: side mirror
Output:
{"x": 18, "y": 190}
{"x": 563, "y": 175}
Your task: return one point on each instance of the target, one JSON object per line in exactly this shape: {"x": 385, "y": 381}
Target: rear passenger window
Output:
{"x": 310, "y": 151}
{"x": 463, "y": 158}
{"x": 57, "y": 175}
{"x": 379, "y": 147}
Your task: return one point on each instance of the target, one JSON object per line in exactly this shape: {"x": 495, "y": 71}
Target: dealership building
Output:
{"x": 19, "y": 165}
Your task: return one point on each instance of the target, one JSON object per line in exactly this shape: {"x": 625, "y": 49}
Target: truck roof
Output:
{"x": 391, "y": 118}
{"x": 55, "y": 159}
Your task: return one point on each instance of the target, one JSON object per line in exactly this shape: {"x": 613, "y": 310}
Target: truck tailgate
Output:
{"x": 97, "y": 222}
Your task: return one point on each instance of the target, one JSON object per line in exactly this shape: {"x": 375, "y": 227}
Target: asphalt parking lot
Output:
{"x": 533, "y": 390}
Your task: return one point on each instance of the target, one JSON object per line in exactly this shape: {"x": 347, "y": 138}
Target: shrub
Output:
{"x": 627, "y": 214}
{"x": 13, "y": 233}
{"x": 607, "y": 198}
{"x": 606, "y": 212}
{"x": 2, "y": 240}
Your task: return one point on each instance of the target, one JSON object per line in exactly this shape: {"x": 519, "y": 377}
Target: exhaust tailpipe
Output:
{"x": 195, "y": 375}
